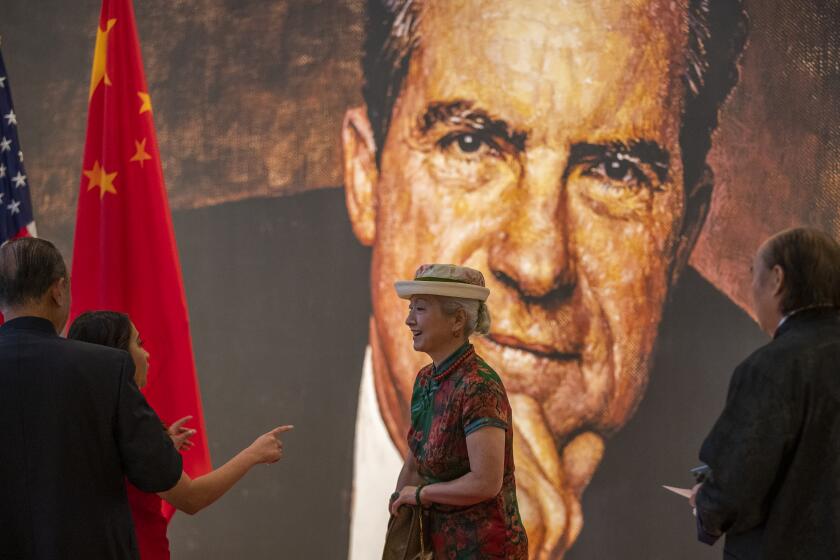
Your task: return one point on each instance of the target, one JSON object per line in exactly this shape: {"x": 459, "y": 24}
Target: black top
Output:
{"x": 775, "y": 450}
{"x": 74, "y": 425}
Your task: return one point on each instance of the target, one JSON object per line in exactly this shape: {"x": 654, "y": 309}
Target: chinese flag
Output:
{"x": 124, "y": 253}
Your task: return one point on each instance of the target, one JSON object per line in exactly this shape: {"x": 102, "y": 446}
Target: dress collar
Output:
{"x": 28, "y": 324}
{"x": 454, "y": 359}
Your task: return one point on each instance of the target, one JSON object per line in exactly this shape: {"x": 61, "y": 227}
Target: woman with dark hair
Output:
{"x": 116, "y": 330}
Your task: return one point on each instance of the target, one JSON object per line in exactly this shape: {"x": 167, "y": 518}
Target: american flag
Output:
{"x": 16, "y": 218}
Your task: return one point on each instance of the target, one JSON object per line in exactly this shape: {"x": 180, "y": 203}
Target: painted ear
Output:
{"x": 697, "y": 202}
{"x": 360, "y": 173}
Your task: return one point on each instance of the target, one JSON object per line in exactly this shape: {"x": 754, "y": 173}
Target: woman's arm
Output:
{"x": 191, "y": 496}
{"x": 486, "y": 451}
{"x": 409, "y": 474}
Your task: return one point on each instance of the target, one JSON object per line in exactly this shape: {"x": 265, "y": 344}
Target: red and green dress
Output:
{"x": 449, "y": 403}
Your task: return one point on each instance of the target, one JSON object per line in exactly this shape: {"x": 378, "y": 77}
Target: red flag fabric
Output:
{"x": 124, "y": 253}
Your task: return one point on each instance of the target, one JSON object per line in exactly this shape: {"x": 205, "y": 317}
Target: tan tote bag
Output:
{"x": 406, "y": 538}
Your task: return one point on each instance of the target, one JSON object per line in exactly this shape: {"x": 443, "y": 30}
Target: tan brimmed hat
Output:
{"x": 444, "y": 280}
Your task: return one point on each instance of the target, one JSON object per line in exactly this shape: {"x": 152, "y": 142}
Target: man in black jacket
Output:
{"x": 774, "y": 453}
{"x": 74, "y": 424}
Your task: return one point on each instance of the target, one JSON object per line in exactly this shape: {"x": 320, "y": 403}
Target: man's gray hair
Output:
{"x": 28, "y": 268}
{"x": 810, "y": 259}
{"x": 476, "y": 313}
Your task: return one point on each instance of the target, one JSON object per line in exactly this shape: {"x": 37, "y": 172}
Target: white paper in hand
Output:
{"x": 684, "y": 492}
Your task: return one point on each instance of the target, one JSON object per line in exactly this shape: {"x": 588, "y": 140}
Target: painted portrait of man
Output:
{"x": 561, "y": 150}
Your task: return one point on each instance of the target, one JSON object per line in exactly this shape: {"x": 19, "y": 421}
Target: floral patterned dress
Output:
{"x": 447, "y": 404}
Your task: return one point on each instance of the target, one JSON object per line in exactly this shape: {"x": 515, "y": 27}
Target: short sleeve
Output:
{"x": 149, "y": 458}
{"x": 485, "y": 404}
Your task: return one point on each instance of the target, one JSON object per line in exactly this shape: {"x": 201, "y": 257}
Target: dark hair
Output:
{"x": 28, "y": 267}
{"x": 108, "y": 328}
{"x": 810, "y": 260}
{"x": 717, "y": 36}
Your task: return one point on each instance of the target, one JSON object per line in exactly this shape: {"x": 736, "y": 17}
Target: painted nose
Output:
{"x": 533, "y": 254}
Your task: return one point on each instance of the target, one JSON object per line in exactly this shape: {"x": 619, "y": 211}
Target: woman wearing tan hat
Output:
{"x": 460, "y": 464}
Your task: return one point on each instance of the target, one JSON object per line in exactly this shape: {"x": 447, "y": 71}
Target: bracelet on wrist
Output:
{"x": 417, "y": 495}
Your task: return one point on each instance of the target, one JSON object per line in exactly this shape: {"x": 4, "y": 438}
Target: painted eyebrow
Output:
{"x": 644, "y": 151}
{"x": 462, "y": 112}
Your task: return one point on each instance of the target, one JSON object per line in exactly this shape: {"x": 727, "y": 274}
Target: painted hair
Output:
{"x": 717, "y": 34}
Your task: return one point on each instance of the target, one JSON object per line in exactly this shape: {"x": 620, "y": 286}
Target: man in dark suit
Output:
{"x": 774, "y": 453}
{"x": 74, "y": 423}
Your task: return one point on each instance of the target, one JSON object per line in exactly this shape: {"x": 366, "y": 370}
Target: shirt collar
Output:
{"x": 794, "y": 316}
{"x": 783, "y": 320}
{"x": 29, "y": 324}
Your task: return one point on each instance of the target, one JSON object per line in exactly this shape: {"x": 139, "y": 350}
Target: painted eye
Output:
{"x": 619, "y": 170}
{"x": 468, "y": 143}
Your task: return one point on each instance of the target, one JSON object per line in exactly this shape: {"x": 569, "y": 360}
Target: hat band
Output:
{"x": 436, "y": 279}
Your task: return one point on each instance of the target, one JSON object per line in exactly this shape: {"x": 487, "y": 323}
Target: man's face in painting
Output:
{"x": 539, "y": 146}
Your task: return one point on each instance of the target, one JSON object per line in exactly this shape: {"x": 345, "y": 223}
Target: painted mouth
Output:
{"x": 538, "y": 350}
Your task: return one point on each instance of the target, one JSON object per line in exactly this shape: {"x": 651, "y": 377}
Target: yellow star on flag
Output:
{"x": 100, "y": 52}
{"x": 147, "y": 101}
{"x": 140, "y": 154}
{"x": 98, "y": 177}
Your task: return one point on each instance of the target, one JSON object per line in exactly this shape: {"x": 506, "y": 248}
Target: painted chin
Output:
{"x": 570, "y": 381}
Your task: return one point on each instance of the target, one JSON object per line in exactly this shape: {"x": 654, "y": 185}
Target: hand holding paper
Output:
{"x": 684, "y": 492}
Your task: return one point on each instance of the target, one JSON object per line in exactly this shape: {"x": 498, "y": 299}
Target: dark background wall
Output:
{"x": 279, "y": 338}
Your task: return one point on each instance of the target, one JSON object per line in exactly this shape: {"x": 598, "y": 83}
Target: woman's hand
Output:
{"x": 268, "y": 448}
{"x": 406, "y": 496}
{"x": 180, "y": 435}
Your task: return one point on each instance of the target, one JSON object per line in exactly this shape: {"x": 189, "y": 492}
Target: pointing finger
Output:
{"x": 281, "y": 429}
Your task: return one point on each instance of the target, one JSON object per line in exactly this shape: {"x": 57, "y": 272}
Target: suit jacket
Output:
{"x": 74, "y": 426}
{"x": 775, "y": 450}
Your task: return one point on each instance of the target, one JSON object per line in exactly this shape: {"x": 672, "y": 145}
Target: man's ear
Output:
{"x": 59, "y": 292}
{"x": 697, "y": 202}
{"x": 360, "y": 173}
{"x": 778, "y": 279}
